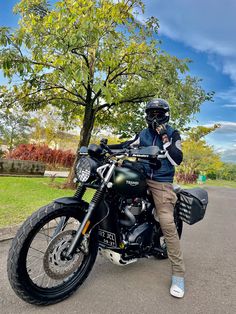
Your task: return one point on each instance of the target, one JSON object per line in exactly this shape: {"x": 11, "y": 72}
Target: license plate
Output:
{"x": 107, "y": 237}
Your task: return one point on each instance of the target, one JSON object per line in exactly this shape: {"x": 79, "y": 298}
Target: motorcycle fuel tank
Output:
{"x": 129, "y": 182}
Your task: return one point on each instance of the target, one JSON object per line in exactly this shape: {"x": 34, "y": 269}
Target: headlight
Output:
{"x": 85, "y": 168}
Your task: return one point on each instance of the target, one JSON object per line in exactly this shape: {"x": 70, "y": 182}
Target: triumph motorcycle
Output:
{"x": 55, "y": 249}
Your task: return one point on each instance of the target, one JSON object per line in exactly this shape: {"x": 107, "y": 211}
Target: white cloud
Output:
{"x": 229, "y": 155}
{"x": 220, "y": 150}
{"x": 228, "y": 97}
{"x": 226, "y": 127}
{"x": 206, "y": 25}
{"x": 223, "y": 139}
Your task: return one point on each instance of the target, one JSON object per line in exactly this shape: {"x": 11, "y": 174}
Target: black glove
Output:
{"x": 161, "y": 130}
{"x": 104, "y": 141}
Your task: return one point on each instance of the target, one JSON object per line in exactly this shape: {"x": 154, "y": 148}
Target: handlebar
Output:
{"x": 105, "y": 147}
{"x": 149, "y": 152}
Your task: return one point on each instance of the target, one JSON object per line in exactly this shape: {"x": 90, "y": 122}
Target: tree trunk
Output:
{"x": 85, "y": 136}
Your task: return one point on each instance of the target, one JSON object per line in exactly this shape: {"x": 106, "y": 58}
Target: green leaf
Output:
{"x": 80, "y": 55}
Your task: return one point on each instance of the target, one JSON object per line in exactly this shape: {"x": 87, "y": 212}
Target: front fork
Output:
{"x": 62, "y": 223}
{"x": 92, "y": 206}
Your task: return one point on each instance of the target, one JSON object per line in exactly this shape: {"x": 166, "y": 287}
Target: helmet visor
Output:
{"x": 156, "y": 114}
{"x": 155, "y": 117}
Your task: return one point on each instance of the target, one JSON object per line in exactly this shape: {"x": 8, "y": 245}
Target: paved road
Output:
{"x": 210, "y": 257}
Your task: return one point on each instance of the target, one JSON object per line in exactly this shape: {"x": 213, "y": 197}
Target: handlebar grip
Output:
{"x": 104, "y": 146}
{"x": 104, "y": 141}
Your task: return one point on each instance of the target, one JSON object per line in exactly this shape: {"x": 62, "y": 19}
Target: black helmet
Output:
{"x": 157, "y": 112}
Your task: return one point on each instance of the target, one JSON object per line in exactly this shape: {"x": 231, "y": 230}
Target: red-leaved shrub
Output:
{"x": 53, "y": 157}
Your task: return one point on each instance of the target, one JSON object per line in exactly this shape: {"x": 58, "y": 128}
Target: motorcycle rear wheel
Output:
{"x": 37, "y": 271}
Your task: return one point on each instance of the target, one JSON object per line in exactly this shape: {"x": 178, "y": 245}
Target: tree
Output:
{"x": 196, "y": 134}
{"x": 14, "y": 126}
{"x": 199, "y": 157}
{"x": 95, "y": 60}
{"x": 116, "y": 62}
{"x": 48, "y": 127}
{"x": 227, "y": 172}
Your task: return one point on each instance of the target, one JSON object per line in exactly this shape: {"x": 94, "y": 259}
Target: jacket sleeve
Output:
{"x": 135, "y": 142}
{"x": 173, "y": 149}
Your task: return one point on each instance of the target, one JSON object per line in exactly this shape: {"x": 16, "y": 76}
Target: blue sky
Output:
{"x": 203, "y": 31}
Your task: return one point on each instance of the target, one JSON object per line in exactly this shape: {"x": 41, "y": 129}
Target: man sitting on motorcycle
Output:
{"x": 160, "y": 133}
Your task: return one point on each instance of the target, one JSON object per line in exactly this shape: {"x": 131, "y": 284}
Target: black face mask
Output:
{"x": 154, "y": 124}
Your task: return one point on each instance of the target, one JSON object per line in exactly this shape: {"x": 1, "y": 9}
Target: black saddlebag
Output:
{"x": 192, "y": 205}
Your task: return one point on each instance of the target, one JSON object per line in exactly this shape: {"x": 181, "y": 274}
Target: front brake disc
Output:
{"x": 56, "y": 266}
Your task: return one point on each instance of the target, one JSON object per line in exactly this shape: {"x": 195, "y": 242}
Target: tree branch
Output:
{"x": 46, "y": 64}
{"x": 16, "y": 46}
{"x": 70, "y": 92}
{"x": 81, "y": 55}
{"x": 117, "y": 75}
{"x": 45, "y": 99}
{"x": 131, "y": 100}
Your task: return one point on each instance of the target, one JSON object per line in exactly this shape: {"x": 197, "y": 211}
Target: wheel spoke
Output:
{"x": 46, "y": 235}
{"x": 44, "y": 264}
{"x": 36, "y": 250}
{"x": 38, "y": 276}
{"x": 39, "y": 273}
{"x": 34, "y": 262}
{"x": 49, "y": 280}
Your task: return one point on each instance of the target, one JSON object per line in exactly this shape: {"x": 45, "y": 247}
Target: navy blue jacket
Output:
{"x": 174, "y": 156}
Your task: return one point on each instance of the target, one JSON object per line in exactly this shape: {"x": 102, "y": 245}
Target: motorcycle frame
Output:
{"x": 92, "y": 206}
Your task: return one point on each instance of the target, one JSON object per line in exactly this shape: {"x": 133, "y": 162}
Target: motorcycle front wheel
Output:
{"x": 37, "y": 269}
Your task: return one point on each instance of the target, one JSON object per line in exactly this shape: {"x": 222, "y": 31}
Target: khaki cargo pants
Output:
{"x": 165, "y": 199}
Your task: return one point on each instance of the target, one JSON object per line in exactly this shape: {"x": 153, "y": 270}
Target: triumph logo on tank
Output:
{"x": 132, "y": 183}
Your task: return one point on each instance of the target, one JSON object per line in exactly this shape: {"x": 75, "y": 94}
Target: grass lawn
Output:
{"x": 222, "y": 183}
{"x": 20, "y": 196}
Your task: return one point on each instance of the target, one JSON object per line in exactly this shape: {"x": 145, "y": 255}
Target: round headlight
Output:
{"x": 83, "y": 169}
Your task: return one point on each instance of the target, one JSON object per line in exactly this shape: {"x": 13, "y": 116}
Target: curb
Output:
{"x": 8, "y": 233}
{"x": 56, "y": 174}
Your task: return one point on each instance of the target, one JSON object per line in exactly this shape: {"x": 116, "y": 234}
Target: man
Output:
{"x": 160, "y": 182}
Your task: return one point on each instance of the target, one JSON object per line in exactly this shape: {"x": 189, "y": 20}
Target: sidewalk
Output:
{"x": 7, "y": 233}
{"x": 57, "y": 174}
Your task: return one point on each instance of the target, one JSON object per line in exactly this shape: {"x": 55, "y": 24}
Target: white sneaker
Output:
{"x": 177, "y": 287}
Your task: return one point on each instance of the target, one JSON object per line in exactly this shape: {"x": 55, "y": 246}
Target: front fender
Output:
{"x": 70, "y": 200}
{"x": 78, "y": 205}
{"x": 97, "y": 216}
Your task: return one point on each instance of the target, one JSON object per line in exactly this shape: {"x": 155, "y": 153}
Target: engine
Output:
{"x": 136, "y": 230}
{"x": 130, "y": 210}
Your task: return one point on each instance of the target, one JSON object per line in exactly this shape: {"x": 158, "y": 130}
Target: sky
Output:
{"x": 203, "y": 31}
